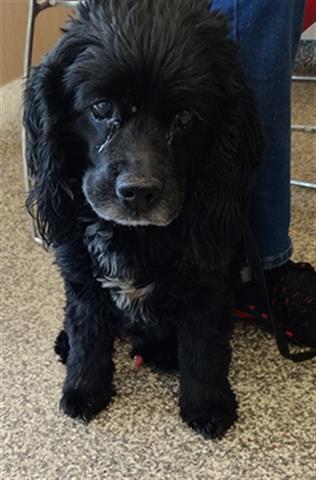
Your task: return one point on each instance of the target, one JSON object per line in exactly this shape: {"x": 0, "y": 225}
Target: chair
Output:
{"x": 309, "y": 19}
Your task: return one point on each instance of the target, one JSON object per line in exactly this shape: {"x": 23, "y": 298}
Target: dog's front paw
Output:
{"x": 210, "y": 418}
{"x": 212, "y": 425}
{"x": 77, "y": 403}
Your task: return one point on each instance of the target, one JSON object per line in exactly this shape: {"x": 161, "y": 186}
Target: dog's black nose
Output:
{"x": 138, "y": 194}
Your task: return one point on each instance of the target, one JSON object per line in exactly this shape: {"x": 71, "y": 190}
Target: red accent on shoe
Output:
{"x": 265, "y": 316}
{"x": 251, "y": 307}
{"x": 289, "y": 333}
{"x": 240, "y": 314}
{"x": 138, "y": 361}
{"x": 308, "y": 300}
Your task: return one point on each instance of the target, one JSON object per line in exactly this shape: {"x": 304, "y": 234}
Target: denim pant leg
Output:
{"x": 268, "y": 32}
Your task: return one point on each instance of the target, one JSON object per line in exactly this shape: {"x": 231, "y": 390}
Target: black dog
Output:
{"x": 143, "y": 140}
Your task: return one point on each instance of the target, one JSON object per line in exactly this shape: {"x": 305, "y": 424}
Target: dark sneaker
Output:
{"x": 292, "y": 291}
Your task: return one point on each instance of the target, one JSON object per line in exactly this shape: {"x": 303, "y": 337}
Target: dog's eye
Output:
{"x": 102, "y": 110}
{"x": 183, "y": 120}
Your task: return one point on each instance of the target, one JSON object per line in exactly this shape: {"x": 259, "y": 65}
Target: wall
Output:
{"x": 13, "y": 20}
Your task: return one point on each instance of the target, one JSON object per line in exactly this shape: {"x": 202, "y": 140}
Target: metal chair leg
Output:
{"x": 304, "y": 78}
{"x": 35, "y": 7}
{"x": 33, "y": 11}
{"x": 301, "y": 183}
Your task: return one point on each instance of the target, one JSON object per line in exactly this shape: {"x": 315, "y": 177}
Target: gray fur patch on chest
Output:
{"x": 117, "y": 272}
{"x": 127, "y": 297}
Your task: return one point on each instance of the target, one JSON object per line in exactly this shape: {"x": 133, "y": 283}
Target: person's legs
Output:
{"x": 268, "y": 33}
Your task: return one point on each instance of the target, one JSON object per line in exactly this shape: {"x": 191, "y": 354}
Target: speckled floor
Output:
{"x": 141, "y": 436}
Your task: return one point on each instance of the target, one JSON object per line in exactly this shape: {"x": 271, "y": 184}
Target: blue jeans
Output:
{"x": 268, "y": 33}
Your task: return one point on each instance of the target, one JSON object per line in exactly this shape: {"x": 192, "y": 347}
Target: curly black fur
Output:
{"x": 160, "y": 270}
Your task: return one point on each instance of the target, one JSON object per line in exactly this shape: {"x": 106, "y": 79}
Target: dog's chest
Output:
{"x": 128, "y": 297}
{"x": 119, "y": 273}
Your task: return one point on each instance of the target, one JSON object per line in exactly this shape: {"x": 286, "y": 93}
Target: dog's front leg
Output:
{"x": 207, "y": 402}
{"x": 89, "y": 327}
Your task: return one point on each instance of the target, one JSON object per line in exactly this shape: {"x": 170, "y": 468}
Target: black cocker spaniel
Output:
{"x": 143, "y": 140}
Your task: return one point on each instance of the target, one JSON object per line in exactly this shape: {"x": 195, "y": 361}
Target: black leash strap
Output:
{"x": 257, "y": 271}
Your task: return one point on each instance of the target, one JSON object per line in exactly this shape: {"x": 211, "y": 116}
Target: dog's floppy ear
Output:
{"x": 222, "y": 194}
{"x": 45, "y": 109}
{"x": 44, "y": 154}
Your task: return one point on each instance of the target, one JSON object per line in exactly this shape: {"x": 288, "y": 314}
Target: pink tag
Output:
{"x": 138, "y": 361}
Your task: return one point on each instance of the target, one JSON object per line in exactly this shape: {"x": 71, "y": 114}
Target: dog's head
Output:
{"x": 128, "y": 106}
